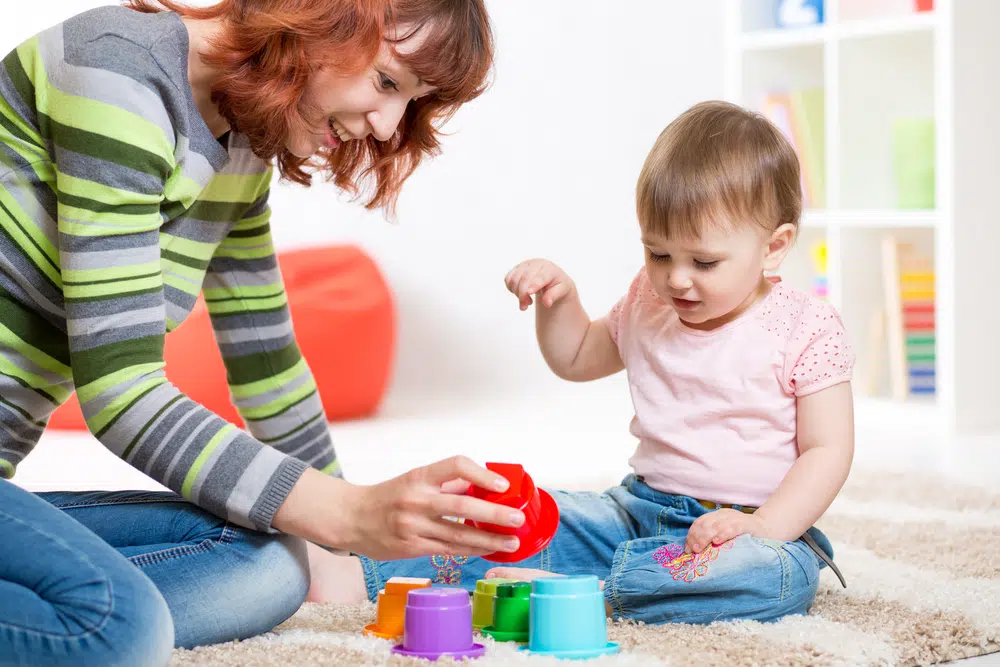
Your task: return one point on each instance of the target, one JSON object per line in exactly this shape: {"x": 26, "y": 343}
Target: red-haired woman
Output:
{"x": 136, "y": 152}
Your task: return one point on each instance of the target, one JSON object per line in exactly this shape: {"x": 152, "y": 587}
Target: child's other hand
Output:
{"x": 541, "y": 277}
{"x": 719, "y": 527}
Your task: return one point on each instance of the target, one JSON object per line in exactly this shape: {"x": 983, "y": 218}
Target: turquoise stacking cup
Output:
{"x": 567, "y": 618}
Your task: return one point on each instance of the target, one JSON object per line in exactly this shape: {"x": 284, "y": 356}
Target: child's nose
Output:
{"x": 679, "y": 280}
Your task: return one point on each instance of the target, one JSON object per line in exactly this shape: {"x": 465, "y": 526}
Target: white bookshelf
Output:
{"x": 878, "y": 60}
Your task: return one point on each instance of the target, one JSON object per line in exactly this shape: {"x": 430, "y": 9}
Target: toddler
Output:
{"x": 741, "y": 388}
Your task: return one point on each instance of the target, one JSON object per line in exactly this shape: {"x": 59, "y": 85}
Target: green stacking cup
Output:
{"x": 511, "y": 610}
{"x": 482, "y": 601}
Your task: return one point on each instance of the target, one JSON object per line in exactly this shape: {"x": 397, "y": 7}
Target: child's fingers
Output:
{"x": 727, "y": 531}
{"x": 556, "y": 292}
{"x": 700, "y": 535}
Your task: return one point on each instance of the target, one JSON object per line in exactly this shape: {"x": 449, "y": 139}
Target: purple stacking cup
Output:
{"x": 438, "y": 623}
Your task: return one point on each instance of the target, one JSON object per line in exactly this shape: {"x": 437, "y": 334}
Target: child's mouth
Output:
{"x": 684, "y": 304}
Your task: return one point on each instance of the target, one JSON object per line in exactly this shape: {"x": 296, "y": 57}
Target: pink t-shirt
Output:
{"x": 715, "y": 410}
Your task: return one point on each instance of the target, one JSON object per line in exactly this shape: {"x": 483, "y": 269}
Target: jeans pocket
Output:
{"x": 807, "y": 563}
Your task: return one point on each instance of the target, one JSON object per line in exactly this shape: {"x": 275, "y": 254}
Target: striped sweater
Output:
{"x": 117, "y": 207}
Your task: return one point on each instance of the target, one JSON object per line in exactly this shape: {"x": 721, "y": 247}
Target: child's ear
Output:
{"x": 778, "y": 246}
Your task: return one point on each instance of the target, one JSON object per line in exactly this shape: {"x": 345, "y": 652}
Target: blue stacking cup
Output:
{"x": 567, "y": 618}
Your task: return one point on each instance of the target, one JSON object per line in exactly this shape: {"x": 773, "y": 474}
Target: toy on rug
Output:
{"x": 438, "y": 623}
{"x": 567, "y": 618}
{"x": 391, "y": 605}
{"x": 541, "y": 514}
{"x": 482, "y": 601}
{"x": 511, "y": 609}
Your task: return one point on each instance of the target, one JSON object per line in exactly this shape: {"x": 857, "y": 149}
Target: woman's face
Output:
{"x": 347, "y": 108}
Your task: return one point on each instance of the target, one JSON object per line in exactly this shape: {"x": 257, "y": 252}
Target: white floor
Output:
{"x": 576, "y": 437}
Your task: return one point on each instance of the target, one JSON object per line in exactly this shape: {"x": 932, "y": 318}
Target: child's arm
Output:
{"x": 825, "y": 423}
{"x": 573, "y": 346}
{"x": 826, "y": 449}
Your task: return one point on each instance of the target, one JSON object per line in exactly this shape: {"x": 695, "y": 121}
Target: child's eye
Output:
{"x": 386, "y": 83}
{"x": 706, "y": 265}
{"x": 657, "y": 258}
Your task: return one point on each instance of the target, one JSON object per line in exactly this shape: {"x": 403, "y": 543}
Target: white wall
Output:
{"x": 544, "y": 164}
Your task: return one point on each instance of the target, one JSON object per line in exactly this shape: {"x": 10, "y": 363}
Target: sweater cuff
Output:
{"x": 277, "y": 489}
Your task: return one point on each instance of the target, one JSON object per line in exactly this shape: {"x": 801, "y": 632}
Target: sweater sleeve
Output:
{"x": 269, "y": 379}
{"x": 115, "y": 170}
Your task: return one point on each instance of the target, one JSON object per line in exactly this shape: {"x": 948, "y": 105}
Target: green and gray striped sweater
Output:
{"x": 117, "y": 207}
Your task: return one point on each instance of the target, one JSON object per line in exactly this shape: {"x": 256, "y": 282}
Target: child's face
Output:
{"x": 713, "y": 279}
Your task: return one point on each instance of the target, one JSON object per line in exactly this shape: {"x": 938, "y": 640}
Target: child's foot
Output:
{"x": 518, "y": 573}
{"x": 335, "y": 579}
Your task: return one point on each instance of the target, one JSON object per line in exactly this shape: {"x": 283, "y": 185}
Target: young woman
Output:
{"x": 136, "y": 153}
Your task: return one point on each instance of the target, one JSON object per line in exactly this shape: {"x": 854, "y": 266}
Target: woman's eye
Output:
{"x": 386, "y": 83}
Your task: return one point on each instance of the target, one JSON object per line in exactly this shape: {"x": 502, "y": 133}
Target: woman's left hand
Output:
{"x": 720, "y": 526}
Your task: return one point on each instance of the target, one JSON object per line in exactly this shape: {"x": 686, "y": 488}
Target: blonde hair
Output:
{"x": 718, "y": 164}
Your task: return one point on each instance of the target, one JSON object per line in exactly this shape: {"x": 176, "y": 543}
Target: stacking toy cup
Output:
{"x": 568, "y": 619}
{"x": 482, "y": 601}
{"x": 511, "y": 611}
{"x": 438, "y": 623}
{"x": 541, "y": 514}
{"x": 391, "y": 607}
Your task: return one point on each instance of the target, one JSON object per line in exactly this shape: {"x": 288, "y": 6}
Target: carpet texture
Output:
{"x": 922, "y": 561}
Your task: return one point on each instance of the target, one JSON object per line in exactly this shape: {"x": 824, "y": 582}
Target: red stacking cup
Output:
{"x": 541, "y": 514}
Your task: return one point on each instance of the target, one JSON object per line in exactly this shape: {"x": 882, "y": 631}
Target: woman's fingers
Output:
{"x": 470, "y": 541}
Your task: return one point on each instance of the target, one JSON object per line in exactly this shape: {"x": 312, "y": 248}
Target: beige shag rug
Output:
{"x": 922, "y": 561}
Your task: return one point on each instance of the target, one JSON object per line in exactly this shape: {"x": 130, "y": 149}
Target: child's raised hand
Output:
{"x": 719, "y": 527}
{"x": 538, "y": 277}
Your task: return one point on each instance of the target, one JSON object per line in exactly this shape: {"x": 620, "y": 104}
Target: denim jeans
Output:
{"x": 632, "y": 537}
{"x": 121, "y": 578}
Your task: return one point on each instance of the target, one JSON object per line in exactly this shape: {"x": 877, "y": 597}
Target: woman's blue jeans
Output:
{"x": 121, "y": 578}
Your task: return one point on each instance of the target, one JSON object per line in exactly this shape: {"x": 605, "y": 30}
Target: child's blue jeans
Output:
{"x": 632, "y": 537}
{"x": 120, "y": 578}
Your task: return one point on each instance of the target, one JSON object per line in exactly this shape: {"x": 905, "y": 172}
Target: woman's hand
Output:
{"x": 402, "y": 517}
{"x": 541, "y": 277}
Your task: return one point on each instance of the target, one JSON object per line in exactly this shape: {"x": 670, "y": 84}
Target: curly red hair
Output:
{"x": 267, "y": 47}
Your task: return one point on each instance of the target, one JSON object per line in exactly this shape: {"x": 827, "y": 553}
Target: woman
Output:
{"x": 137, "y": 146}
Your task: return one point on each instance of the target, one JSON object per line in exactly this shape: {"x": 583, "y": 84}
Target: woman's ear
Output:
{"x": 778, "y": 245}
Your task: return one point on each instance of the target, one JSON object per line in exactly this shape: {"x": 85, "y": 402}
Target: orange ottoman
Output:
{"x": 344, "y": 318}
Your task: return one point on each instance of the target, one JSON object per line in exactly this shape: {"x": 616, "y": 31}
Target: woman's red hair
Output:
{"x": 267, "y": 47}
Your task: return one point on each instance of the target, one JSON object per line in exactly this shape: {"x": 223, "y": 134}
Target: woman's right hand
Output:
{"x": 403, "y": 517}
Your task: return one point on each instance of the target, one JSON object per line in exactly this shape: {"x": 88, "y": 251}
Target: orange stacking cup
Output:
{"x": 391, "y": 607}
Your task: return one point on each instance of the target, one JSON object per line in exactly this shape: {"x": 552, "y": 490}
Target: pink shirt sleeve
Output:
{"x": 819, "y": 354}
{"x": 619, "y": 314}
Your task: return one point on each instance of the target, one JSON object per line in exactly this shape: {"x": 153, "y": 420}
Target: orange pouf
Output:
{"x": 344, "y": 318}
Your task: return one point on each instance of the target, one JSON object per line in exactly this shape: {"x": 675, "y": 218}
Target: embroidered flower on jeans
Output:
{"x": 449, "y": 568}
{"x": 688, "y": 567}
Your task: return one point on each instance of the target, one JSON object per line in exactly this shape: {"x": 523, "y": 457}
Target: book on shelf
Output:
{"x": 799, "y": 114}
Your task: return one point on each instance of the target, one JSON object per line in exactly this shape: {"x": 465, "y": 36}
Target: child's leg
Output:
{"x": 653, "y": 581}
{"x": 591, "y": 525}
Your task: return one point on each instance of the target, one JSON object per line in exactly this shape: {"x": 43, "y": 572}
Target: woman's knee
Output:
{"x": 132, "y": 626}
{"x": 279, "y": 573}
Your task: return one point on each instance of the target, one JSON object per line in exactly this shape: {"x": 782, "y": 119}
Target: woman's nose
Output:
{"x": 385, "y": 119}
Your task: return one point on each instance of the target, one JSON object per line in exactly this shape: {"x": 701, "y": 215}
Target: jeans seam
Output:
{"x": 123, "y": 501}
{"x": 615, "y": 577}
{"x": 142, "y": 560}
{"x": 786, "y": 577}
